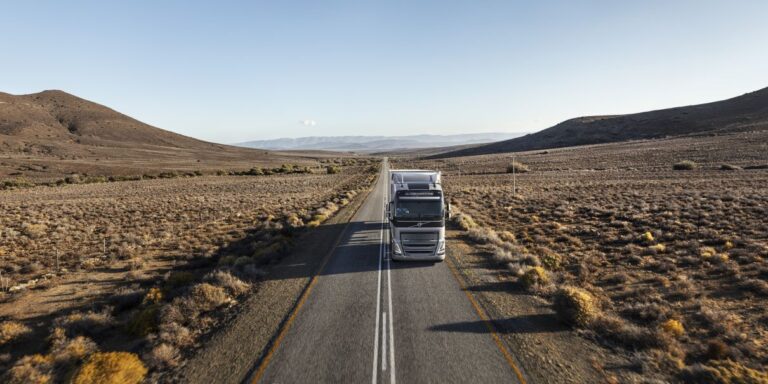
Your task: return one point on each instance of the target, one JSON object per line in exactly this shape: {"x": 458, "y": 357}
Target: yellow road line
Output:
{"x": 284, "y": 330}
{"x": 486, "y": 320}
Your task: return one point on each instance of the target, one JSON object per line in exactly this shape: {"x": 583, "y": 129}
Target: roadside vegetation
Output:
{"x": 117, "y": 282}
{"x": 669, "y": 268}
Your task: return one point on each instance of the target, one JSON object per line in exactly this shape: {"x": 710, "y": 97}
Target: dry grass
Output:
{"x": 674, "y": 263}
{"x": 11, "y": 331}
{"x": 148, "y": 266}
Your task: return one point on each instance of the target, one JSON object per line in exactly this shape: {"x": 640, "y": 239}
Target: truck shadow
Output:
{"x": 358, "y": 251}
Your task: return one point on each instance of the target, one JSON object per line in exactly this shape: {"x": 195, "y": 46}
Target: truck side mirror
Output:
{"x": 389, "y": 210}
{"x": 447, "y": 211}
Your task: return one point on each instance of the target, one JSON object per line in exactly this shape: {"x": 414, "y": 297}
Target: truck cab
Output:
{"x": 417, "y": 211}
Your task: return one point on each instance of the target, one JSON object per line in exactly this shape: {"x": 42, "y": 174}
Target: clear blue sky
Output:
{"x": 234, "y": 71}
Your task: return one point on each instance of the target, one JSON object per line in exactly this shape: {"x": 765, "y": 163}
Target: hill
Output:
{"x": 377, "y": 143}
{"x": 743, "y": 113}
{"x": 51, "y": 133}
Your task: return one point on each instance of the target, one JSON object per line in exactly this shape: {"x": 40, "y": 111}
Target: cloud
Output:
{"x": 309, "y": 123}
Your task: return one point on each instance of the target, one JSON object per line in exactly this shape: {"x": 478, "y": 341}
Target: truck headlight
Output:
{"x": 441, "y": 247}
{"x": 396, "y": 248}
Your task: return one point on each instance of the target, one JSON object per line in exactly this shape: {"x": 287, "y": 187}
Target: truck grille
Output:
{"x": 419, "y": 243}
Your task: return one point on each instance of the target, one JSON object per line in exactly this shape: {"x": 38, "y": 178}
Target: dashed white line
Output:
{"x": 391, "y": 328}
{"x": 383, "y": 345}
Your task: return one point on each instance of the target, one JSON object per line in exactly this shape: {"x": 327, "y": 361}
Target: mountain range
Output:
{"x": 376, "y": 143}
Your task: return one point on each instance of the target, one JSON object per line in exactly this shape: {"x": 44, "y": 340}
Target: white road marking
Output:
{"x": 378, "y": 303}
{"x": 384, "y": 345}
{"x": 391, "y": 330}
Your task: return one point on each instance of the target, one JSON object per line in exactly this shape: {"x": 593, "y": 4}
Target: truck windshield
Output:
{"x": 418, "y": 209}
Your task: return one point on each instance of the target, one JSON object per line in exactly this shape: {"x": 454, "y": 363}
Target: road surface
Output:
{"x": 367, "y": 319}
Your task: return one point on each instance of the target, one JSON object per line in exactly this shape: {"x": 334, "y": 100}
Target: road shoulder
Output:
{"x": 546, "y": 351}
{"x": 232, "y": 352}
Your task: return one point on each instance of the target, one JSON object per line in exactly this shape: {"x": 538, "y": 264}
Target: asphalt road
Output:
{"x": 368, "y": 319}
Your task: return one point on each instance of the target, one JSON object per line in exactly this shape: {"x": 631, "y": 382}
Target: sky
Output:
{"x": 228, "y": 71}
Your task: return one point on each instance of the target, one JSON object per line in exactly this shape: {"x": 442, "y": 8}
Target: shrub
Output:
{"x": 464, "y": 221}
{"x": 673, "y": 327}
{"x": 685, "y": 165}
{"x": 111, "y": 368}
{"x": 658, "y": 248}
{"x": 627, "y": 334}
{"x": 89, "y": 323}
{"x": 483, "y": 235}
{"x": 68, "y": 352}
{"x": 647, "y": 237}
{"x": 208, "y": 297}
{"x": 31, "y": 369}
{"x": 229, "y": 282}
{"x": 12, "y": 330}
{"x": 162, "y": 356}
{"x": 551, "y": 260}
{"x": 575, "y": 306}
{"x": 332, "y": 169}
{"x": 723, "y": 372}
{"x": 534, "y": 276}
{"x": 517, "y": 167}
{"x": 729, "y": 167}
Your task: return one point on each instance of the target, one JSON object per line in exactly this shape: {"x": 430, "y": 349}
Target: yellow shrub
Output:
{"x": 111, "y": 368}
{"x": 728, "y": 245}
{"x": 674, "y": 327}
{"x": 575, "y": 306}
{"x": 551, "y": 260}
{"x": 535, "y": 276}
{"x": 508, "y": 236}
{"x": 647, "y": 237}
{"x": 707, "y": 252}
{"x": 11, "y": 330}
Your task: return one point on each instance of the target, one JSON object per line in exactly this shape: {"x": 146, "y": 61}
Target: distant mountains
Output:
{"x": 376, "y": 143}
{"x": 743, "y": 113}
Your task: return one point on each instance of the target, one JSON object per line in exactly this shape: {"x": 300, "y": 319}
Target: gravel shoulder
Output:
{"x": 233, "y": 351}
{"x": 547, "y": 351}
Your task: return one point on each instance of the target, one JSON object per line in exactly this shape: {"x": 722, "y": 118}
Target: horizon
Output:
{"x": 243, "y": 72}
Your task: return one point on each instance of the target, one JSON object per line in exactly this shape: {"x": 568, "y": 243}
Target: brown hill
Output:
{"x": 50, "y": 133}
{"x": 743, "y": 113}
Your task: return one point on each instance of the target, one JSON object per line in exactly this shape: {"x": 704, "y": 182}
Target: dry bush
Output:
{"x": 163, "y": 356}
{"x": 226, "y": 280}
{"x": 144, "y": 321}
{"x": 89, "y": 323}
{"x": 729, "y": 167}
{"x": 685, "y": 165}
{"x": 723, "y": 372}
{"x": 33, "y": 369}
{"x": 66, "y": 354}
{"x": 464, "y": 221}
{"x": 575, "y": 306}
{"x": 629, "y": 335}
{"x": 517, "y": 167}
{"x": 483, "y": 235}
{"x": 111, "y": 368}
{"x": 534, "y": 276}
{"x": 11, "y": 331}
{"x": 176, "y": 334}
{"x": 208, "y": 297}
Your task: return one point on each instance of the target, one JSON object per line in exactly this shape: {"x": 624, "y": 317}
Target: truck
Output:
{"x": 417, "y": 211}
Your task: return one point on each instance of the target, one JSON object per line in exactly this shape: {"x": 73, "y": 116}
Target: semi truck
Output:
{"x": 417, "y": 211}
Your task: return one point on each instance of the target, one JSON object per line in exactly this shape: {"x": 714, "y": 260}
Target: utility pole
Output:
{"x": 514, "y": 176}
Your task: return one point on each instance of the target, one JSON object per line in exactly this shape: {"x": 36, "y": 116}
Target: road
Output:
{"x": 365, "y": 319}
